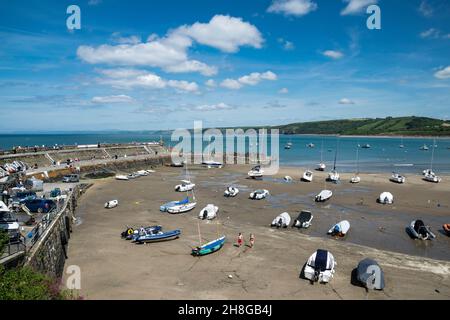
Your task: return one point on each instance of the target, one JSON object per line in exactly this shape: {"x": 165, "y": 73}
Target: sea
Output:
{"x": 384, "y": 154}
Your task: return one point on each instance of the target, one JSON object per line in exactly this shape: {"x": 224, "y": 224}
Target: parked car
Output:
{"x": 40, "y": 205}
{"x": 22, "y": 196}
{"x": 8, "y": 223}
{"x": 71, "y": 178}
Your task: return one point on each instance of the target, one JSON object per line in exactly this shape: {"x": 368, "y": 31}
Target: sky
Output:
{"x": 155, "y": 65}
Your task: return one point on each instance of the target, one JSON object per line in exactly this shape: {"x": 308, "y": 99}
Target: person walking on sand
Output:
{"x": 252, "y": 240}
{"x": 240, "y": 239}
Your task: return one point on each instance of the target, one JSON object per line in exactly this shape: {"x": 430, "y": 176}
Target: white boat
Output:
{"x": 282, "y": 221}
{"x": 133, "y": 175}
{"x": 209, "y": 212}
{"x": 185, "y": 185}
{"x": 321, "y": 167}
{"x": 311, "y": 145}
{"x": 288, "y": 179}
{"x": 324, "y": 195}
{"x": 259, "y": 194}
{"x": 397, "y": 178}
{"x": 231, "y": 192}
{"x": 121, "y": 177}
{"x": 432, "y": 178}
{"x": 111, "y": 204}
{"x": 320, "y": 267}
{"x": 303, "y": 220}
{"x": 256, "y": 172}
{"x": 424, "y": 148}
{"x": 308, "y": 176}
{"x": 181, "y": 208}
{"x": 355, "y": 179}
{"x": 340, "y": 229}
{"x": 386, "y": 198}
{"x": 418, "y": 230}
{"x": 428, "y": 171}
{"x": 212, "y": 164}
{"x": 142, "y": 173}
{"x": 334, "y": 176}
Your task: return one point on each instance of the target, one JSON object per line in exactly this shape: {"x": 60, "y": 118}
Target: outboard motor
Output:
{"x": 205, "y": 214}
{"x": 280, "y": 223}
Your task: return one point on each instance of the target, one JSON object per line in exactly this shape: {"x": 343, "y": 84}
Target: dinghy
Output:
{"x": 311, "y": 145}
{"x": 418, "y": 230}
{"x": 282, "y": 221}
{"x": 432, "y": 178}
{"x": 340, "y": 229}
{"x": 370, "y": 275}
{"x": 209, "y": 212}
{"x": 320, "y": 267}
{"x": 121, "y": 177}
{"x": 111, "y": 204}
{"x": 185, "y": 185}
{"x": 303, "y": 220}
{"x": 334, "y": 176}
{"x": 231, "y": 192}
{"x": 256, "y": 172}
{"x": 446, "y": 228}
{"x": 132, "y": 233}
{"x": 307, "y": 176}
{"x": 156, "y": 235}
{"x": 386, "y": 198}
{"x": 397, "y": 178}
{"x": 321, "y": 167}
{"x": 209, "y": 248}
{"x": 259, "y": 194}
{"x": 324, "y": 195}
{"x": 355, "y": 179}
{"x": 183, "y": 206}
{"x": 288, "y": 179}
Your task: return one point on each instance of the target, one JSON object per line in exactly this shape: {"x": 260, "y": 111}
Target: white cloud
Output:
{"x": 251, "y": 79}
{"x": 443, "y": 73}
{"x": 333, "y": 54}
{"x": 183, "y": 85}
{"x": 94, "y": 2}
{"x": 296, "y": 8}
{"x": 283, "y": 91}
{"x": 433, "y": 33}
{"x": 426, "y": 9}
{"x": 112, "y": 99}
{"x": 231, "y": 84}
{"x": 346, "y": 101}
{"x": 211, "y": 83}
{"x": 116, "y": 37}
{"x": 287, "y": 45}
{"x": 214, "y": 107}
{"x": 170, "y": 53}
{"x": 356, "y": 6}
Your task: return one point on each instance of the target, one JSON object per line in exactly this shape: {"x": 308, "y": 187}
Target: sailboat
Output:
{"x": 185, "y": 205}
{"x": 288, "y": 145}
{"x": 430, "y": 176}
{"x": 401, "y": 146}
{"x": 210, "y": 247}
{"x": 322, "y": 165}
{"x": 333, "y": 176}
{"x": 356, "y": 178}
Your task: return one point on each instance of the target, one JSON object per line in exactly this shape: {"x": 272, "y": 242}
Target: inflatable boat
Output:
{"x": 303, "y": 220}
{"x": 231, "y": 192}
{"x": 340, "y": 229}
{"x": 282, "y": 221}
{"x": 132, "y": 233}
{"x": 209, "y": 212}
{"x": 111, "y": 204}
{"x": 320, "y": 267}
{"x": 259, "y": 194}
{"x": 418, "y": 230}
{"x": 156, "y": 235}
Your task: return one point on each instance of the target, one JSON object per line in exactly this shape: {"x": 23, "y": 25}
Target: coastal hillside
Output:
{"x": 412, "y": 126}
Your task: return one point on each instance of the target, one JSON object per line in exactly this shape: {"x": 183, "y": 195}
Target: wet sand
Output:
{"x": 117, "y": 269}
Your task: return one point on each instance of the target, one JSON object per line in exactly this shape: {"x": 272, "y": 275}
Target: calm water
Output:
{"x": 385, "y": 155}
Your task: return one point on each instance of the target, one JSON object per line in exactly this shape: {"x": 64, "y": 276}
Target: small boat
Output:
{"x": 209, "y": 248}
{"x": 212, "y": 164}
{"x": 428, "y": 171}
{"x": 256, "y": 172}
{"x": 397, "y": 178}
{"x": 133, "y": 175}
{"x": 282, "y": 221}
{"x": 121, "y": 177}
{"x": 418, "y": 230}
{"x": 320, "y": 267}
{"x": 209, "y": 212}
{"x": 287, "y": 146}
{"x": 311, "y": 145}
{"x": 231, "y": 192}
{"x": 111, "y": 204}
{"x": 321, "y": 167}
{"x": 303, "y": 220}
{"x": 288, "y": 179}
{"x": 142, "y": 173}
{"x": 324, "y": 195}
{"x": 366, "y": 146}
{"x": 424, "y": 148}
{"x": 386, "y": 198}
{"x": 446, "y": 228}
{"x": 355, "y": 179}
{"x": 177, "y": 164}
{"x": 185, "y": 185}
{"x": 307, "y": 176}
{"x": 432, "y": 178}
{"x": 259, "y": 194}
{"x": 182, "y": 207}
{"x": 370, "y": 275}
{"x": 334, "y": 176}
{"x": 157, "y": 235}
{"x": 132, "y": 233}
{"x": 340, "y": 229}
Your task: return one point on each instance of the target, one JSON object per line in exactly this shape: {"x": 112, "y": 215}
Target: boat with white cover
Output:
{"x": 321, "y": 166}
{"x": 111, "y": 204}
{"x": 386, "y": 198}
{"x": 282, "y": 221}
{"x": 303, "y": 220}
{"x": 209, "y": 212}
{"x": 324, "y": 195}
{"x": 397, "y": 178}
{"x": 182, "y": 207}
{"x": 256, "y": 172}
{"x": 320, "y": 267}
{"x": 370, "y": 275}
{"x": 231, "y": 192}
{"x": 121, "y": 177}
{"x": 418, "y": 230}
{"x": 308, "y": 176}
{"x": 429, "y": 175}
{"x": 340, "y": 229}
{"x": 185, "y": 185}
{"x": 259, "y": 194}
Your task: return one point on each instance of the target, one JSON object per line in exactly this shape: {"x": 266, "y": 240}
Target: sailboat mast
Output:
{"x": 321, "y": 153}
{"x": 335, "y": 154}
{"x": 199, "y": 235}
{"x": 357, "y": 160}
{"x": 432, "y": 154}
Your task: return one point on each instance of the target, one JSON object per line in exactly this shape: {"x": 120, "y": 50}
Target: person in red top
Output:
{"x": 240, "y": 239}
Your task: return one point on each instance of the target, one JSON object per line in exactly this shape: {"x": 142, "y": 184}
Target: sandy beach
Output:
{"x": 112, "y": 268}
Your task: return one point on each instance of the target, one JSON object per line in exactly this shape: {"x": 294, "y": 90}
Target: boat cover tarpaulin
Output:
{"x": 185, "y": 201}
{"x": 304, "y": 216}
{"x": 321, "y": 260}
{"x": 368, "y": 268}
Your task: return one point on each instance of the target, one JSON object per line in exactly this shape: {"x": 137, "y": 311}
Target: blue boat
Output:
{"x": 210, "y": 247}
{"x": 170, "y": 204}
{"x": 132, "y": 233}
{"x": 157, "y": 235}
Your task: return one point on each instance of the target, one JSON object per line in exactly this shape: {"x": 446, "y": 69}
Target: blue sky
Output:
{"x": 142, "y": 65}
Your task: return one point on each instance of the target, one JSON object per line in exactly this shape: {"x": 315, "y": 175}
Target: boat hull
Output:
{"x": 209, "y": 248}
{"x": 167, "y": 236}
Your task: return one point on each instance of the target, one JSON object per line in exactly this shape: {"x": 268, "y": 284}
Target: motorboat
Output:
{"x": 334, "y": 176}
{"x": 418, "y": 230}
{"x": 121, "y": 177}
{"x": 185, "y": 185}
{"x": 183, "y": 206}
{"x": 340, "y": 229}
{"x": 156, "y": 235}
{"x": 307, "y": 176}
{"x": 366, "y": 146}
{"x": 311, "y": 145}
{"x": 282, "y": 221}
{"x": 355, "y": 179}
{"x": 432, "y": 178}
{"x": 132, "y": 233}
{"x": 446, "y": 228}
{"x": 324, "y": 195}
{"x": 321, "y": 167}
{"x": 259, "y": 194}
{"x": 386, "y": 198}
{"x": 231, "y": 192}
{"x": 320, "y": 267}
{"x": 370, "y": 275}
{"x": 212, "y": 164}
{"x": 424, "y": 148}
{"x": 209, "y": 248}
{"x": 256, "y": 172}
{"x": 209, "y": 212}
{"x": 303, "y": 220}
{"x": 397, "y": 178}
{"x": 111, "y": 204}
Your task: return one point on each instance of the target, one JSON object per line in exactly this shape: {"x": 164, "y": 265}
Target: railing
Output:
{"x": 14, "y": 247}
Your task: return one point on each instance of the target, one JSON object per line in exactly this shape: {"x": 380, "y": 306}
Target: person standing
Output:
{"x": 240, "y": 239}
{"x": 252, "y": 240}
